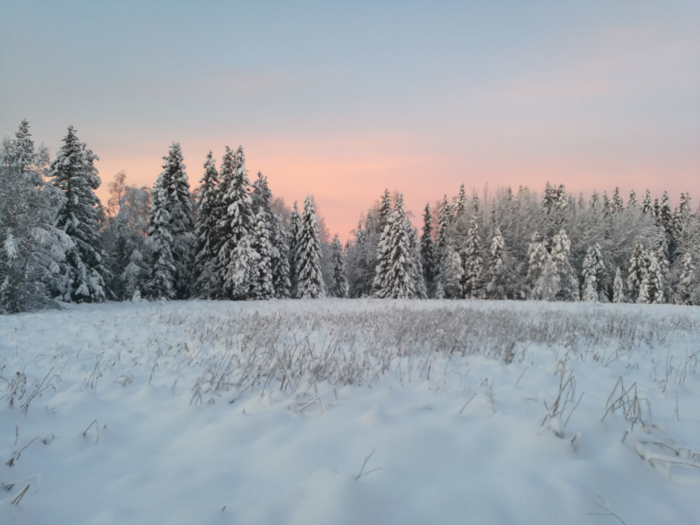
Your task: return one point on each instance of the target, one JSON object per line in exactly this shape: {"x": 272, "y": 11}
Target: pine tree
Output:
{"x": 593, "y": 268}
{"x": 74, "y": 173}
{"x": 282, "y": 272}
{"x": 617, "y": 205}
{"x": 655, "y": 279}
{"x": 460, "y": 207}
{"x": 636, "y": 272}
{"x": 261, "y": 198}
{"x": 450, "y": 285}
{"x": 160, "y": 284}
{"x": 663, "y": 277}
{"x": 175, "y": 202}
{"x": 416, "y": 268}
{"x": 395, "y": 273}
{"x": 497, "y": 287}
{"x": 261, "y": 282}
{"x": 646, "y": 203}
{"x": 473, "y": 262}
{"x": 427, "y": 253}
{"x": 309, "y": 278}
{"x": 339, "y": 283}
{"x": 235, "y": 224}
{"x": 207, "y": 278}
{"x": 687, "y": 283}
{"x": 561, "y": 253}
{"x": 31, "y": 248}
{"x": 241, "y": 270}
{"x": 294, "y": 240}
{"x": 441, "y": 235}
{"x": 384, "y": 212}
{"x": 632, "y": 204}
{"x": 541, "y": 273}
{"x": 542, "y": 276}
{"x": 618, "y": 288}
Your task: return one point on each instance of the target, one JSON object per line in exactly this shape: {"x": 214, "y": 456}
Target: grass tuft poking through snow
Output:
{"x": 355, "y": 411}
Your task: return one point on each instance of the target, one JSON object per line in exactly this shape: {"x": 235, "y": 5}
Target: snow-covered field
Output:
{"x": 339, "y": 411}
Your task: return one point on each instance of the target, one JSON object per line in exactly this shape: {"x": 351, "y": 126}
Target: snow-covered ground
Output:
{"x": 333, "y": 412}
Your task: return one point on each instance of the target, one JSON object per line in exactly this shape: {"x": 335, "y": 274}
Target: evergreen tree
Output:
{"x": 568, "y": 282}
{"x": 687, "y": 283}
{"x": 617, "y": 205}
{"x": 473, "y": 263}
{"x": 441, "y": 235}
{"x": 308, "y": 261}
{"x": 207, "y": 278}
{"x": 450, "y": 285}
{"x": 618, "y": 288}
{"x": 395, "y": 274}
{"x": 384, "y": 212}
{"x": 241, "y": 271}
{"x": 358, "y": 259}
{"x": 175, "y": 202}
{"x": 235, "y": 224}
{"x": 339, "y": 283}
{"x": 282, "y": 272}
{"x": 663, "y": 276}
{"x": 632, "y": 203}
{"x": 31, "y": 248}
{"x": 294, "y": 240}
{"x": 647, "y": 207}
{"x": 542, "y": 276}
{"x": 497, "y": 287}
{"x": 593, "y": 268}
{"x": 460, "y": 207}
{"x": 666, "y": 222}
{"x": 427, "y": 253}
{"x": 636, "y": 272}
{"x": 161, "y": 282}
{"x": 261, "y": 282}
{"x": 416, "y": 268}
{"x": 655, "y": 278}
{"x": 262, "y": 199}
{"x": 74, "y": 173}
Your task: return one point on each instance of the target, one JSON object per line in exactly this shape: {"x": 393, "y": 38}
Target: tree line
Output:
{"x": 231, "y": 240}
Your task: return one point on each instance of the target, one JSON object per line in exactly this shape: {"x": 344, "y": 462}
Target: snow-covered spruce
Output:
{"x": 294, "y": 240}
{"x": 235, "y": 226}
{"x": 339, "y": 284}
{"x": 73, "y": 172}
{"x": 427, "y": 253}
{"x": 309, "y": 283}
{"x": 261, "y": 285}
{"x": 473, "y": 262}
{"x": 561, "y": 255}
{"x": 172, "y": 221}
{"x": 278, "y": 250}
{"x": 208, "y": 280}
{"x": 396, "y": 276}
{"x": 593, "y": 268}
{"x": 542, "y": 274}
{"x": 31, "y": 248}
{"x": 498, "y": 284}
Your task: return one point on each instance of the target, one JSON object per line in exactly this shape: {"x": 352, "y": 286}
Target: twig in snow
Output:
{"x": 364, "y": 464}
{"x": 606, "y": 506}
{"x": 20, "y": 495}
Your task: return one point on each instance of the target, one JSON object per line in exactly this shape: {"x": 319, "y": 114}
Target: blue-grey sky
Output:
{"x": 344, "y": 99}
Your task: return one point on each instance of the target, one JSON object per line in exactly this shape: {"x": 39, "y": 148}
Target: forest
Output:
{"x": 230, "y": 239}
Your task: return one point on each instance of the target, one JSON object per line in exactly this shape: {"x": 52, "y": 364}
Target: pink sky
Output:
{"x": 342, "y": 100}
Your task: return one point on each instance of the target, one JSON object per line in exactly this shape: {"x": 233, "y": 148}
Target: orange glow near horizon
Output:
{"x": 347, "y": 176}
